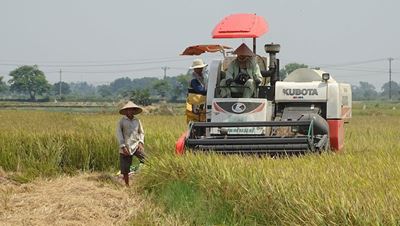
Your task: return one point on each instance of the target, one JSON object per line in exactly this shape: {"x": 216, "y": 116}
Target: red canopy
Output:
{"x": 199, "y": 49}
{"x": 240, "y": 26}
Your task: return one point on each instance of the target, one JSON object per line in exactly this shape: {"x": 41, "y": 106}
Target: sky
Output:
{"x": 98, "y": 41}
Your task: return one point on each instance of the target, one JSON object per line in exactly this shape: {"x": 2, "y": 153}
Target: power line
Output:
{"x": 86, "y": 61}
{"x": 98, "y": 65}
{"x": 353, "y": 63}
{"x": 361, "y": 70}
{"x": 81, "y": 68}
{"x": 179, "y": 68}
{"x": 360, "y": 76}
{"x": 106, "y": 71}
{"x": 109, "y": 71}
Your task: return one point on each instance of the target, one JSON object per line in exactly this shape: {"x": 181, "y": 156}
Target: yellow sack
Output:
{"x": 195, "y": 108}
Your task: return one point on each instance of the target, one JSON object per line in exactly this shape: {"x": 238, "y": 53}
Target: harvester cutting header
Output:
{"x": 249, "y": 109}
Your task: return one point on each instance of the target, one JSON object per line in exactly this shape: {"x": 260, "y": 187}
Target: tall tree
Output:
{"x": 143, "y": 83}
{"x": 141, "y": 97}
{"x": 368, "y": 90}
{"x": 289, "y": 68}
{"x": 394, "y": 87}
{"x": 181, "y": 86}
{"x": 65, "y": 89}
{"x": 162, "y": 87}
{"x": 365, "y": 91}
{"x": 29, "y": 80}
{"x": 104, "y": 90}
{"x": 82, "y": 89}
{"x": 121, "y": 84}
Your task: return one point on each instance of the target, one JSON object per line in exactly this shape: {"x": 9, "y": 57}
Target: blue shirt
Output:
{"x": 198, "y": 87}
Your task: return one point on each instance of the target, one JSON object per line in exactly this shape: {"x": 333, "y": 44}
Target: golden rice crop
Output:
{"x": 45, "y": 143}
{"x": 359, "y": 186}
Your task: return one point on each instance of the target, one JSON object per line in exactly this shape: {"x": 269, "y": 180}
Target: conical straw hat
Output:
{"x": 130, "y": 104}
{"x": 243, "y": 50}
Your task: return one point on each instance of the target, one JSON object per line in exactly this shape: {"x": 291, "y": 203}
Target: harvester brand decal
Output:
{"x": 238, "y": 107}
{"x": 304, "y": 92}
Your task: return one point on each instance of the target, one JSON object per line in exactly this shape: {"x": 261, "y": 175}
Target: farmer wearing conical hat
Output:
{"x": 243, "y": 74}
{"x": 130, "y": 135}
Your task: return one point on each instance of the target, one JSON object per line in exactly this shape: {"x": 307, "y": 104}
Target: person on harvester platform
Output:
{"x": 197, "y": 91}
{"x": 243, "y": 74}
{"x": 198, "y": 83}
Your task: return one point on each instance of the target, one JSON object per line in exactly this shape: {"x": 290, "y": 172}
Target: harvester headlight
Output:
{"x": 325, "y": 77}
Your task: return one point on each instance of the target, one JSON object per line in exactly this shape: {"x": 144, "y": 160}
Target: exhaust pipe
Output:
{"x": 273, "y": 71}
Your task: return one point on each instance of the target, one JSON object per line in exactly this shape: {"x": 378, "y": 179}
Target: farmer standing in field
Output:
{"x": 130, "y": 135}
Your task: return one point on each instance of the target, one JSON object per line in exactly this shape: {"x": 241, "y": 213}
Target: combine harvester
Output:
{"x": 305, "y": 112}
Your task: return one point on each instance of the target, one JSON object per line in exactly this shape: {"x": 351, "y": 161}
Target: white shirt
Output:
{"x": 129, "y": 134}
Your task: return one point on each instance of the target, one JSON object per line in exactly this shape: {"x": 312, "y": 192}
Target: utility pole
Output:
{"x": 165, "y": 68}
{"x": 60, "y": 82}
{"x": 390, "y": 77}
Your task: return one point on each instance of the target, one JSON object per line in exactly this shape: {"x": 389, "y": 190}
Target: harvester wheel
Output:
{"x": 321, "y": 128}
{"x": 327, "y": 146}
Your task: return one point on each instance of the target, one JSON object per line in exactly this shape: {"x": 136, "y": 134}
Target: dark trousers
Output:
{"x": 125, "y": 161}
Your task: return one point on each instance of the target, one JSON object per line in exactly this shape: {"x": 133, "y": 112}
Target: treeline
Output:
{"x": 30, "y": 83}
{"x": 367, "y": 91}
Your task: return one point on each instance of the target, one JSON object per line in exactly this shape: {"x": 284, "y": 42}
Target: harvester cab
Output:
{"x": 304, "y": 112}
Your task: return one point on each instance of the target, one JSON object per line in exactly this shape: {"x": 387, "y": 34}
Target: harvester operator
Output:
{"x": 243, "y": 74}
{"x": 197, "y": 91}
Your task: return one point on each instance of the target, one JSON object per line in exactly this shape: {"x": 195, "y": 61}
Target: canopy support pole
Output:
{"x": 254, "y": 45}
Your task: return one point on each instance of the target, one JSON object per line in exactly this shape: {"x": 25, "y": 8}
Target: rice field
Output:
{"x": 359, "y": 186}
{"x": 38, "y": 143}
